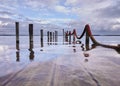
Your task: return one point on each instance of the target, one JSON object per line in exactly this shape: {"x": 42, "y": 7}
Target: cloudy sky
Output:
{"x": 102, "y": 15}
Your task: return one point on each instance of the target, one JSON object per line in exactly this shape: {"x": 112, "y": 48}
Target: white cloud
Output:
{"x": 116, "y": 27}
{"x": 118, "y": 20}
{"x": 62, "y": 9}
{"x": 101, "y": 14}
{"x": 5, "y": 16}
{"x": 72, "y": 2}
{"x": 41, "y": 4}
{"x": 0, "y": 23}
{"x": 54, "y": 20}
{"x": 3, "y": 24}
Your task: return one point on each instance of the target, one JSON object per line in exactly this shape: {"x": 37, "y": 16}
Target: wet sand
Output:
{"x": 60, "y": 65}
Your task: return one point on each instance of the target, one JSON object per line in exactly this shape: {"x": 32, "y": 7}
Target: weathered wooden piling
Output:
{"x": 87, "y": 41}
{"x": 17, "y": 45}
{"x": 74, "y": 38}
{"x": 66, "y": 36}
{"x": 69, "y": 37}
{"x": 41, "y": 35}
{"x": 53, "y": 36}
{"x": 30, "y": 46}
{"x": 31, "y": 36}
{"x": 63, "y": 36}
{"x": 31, "y": 32}
{"x": 56, "y": 36}
{"x": 31, "y": 56}
{"x": 50, "y": 36}
{"x": 17, "y": 35}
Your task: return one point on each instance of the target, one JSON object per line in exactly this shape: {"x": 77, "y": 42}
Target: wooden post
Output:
{"x": 69, "y": 37}
{"x": 63, "y": 36}
{"x": 56, "y": 36}
{"x": 73, "y": 38}
{"x": 53, "y": 36}
{"x": 31, "y": 36}
{"x": 31, "y": 56}
{"x": 48, "y": 37}
{"x": 41, "y": 32}
{"x": 66, "y": 36}
{"x": 87, "y": 41}
{"x": 17, "y": 35}
{"x": 17, "y": 41}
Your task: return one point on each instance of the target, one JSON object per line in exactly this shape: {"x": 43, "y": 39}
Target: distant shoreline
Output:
{"x": 46, "y": 35}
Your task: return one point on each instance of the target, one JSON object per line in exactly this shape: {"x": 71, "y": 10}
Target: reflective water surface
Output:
{"x": 58, "y": 63}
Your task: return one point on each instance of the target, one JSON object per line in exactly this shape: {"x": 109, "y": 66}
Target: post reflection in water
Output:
{"x": 17, "y": 52}
{"x": 31, "y": 56}
{"x": 74, "y": 48}
{"x": 86, "y": 60}
{"x": 86, "y": 54}
{"x": 17, "y": 56}
{"x": 87, "y": 48}
{"x": 82, "y": 46}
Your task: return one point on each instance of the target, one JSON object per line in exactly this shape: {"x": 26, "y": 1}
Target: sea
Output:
{"x": 11, "y": 55}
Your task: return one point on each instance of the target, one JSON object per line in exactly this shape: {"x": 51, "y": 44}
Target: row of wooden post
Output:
{"x": 68, "y": 37}
{"x": 51, "y": 36}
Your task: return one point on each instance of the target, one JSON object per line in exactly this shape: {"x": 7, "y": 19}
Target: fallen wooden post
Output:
{"x": 89, "y": 33}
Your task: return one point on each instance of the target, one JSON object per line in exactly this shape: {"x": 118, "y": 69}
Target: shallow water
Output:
{"x": 8, "y": 51}
{"x": 98, "y": 64}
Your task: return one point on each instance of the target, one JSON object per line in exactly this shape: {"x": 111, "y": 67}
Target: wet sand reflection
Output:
{"x": 17, "y": 56}
{"x": 17, "y": 52}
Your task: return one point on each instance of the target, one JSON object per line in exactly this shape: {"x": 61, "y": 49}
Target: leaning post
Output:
{"x": 87, "y": 41}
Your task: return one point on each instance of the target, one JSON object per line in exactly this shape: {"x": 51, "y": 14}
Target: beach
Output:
{"x": 58, "y": 63}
